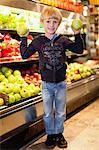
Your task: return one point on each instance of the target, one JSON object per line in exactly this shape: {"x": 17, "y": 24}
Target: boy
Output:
{"x": 51, "y": 48}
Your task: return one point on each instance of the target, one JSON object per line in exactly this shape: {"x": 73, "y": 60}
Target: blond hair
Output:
{"x": 50, "y": 12}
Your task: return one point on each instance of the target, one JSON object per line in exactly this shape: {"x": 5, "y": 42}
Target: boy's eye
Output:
{"x": 55, "y": 21}
{"x": 47, "y": 21}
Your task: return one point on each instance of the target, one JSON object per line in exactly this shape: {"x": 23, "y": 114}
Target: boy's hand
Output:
{"x": 24, "y": 35}
{"x": 76, "y": 31}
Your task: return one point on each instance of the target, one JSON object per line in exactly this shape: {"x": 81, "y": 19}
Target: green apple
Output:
{"x": 9, "y": 88}
{"x": 11, "y": 99}
{"x": 22, "y": 29}
{"x": 5, "y": 80}
{"x": 77, "y": 24}
{"x": 17, "y": 97}
{"x": 8, "y": 72}
{"x": 19, "y": 79}
{"x": 25, "y": 93}
{"x": 31, "y": 85}
{"x": 4, "y": 69}
{"x": 88, "y": 73}
{"x": 3, "y": 83}
{"x": 81, "y": 69}
{"x": 1, "y": 101}
{"x": 24, "y": 85}
{"x": 16, "y": 88}
{"x": 16, "y": 72}
{"x": 11, "y": 78}
{"x": 77, "y": 77}
{"x": 1, "y": 73}
{"x": 36, "y": 89}
{"x": 83, "y": 75}
{"x": 2, "y": 77}
{"x": 31, "y": 90}
{"x": 2, "y": 88}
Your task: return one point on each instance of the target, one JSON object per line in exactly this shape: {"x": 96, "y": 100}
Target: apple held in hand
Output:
{"x": 77, "y": 24}
{"x": 22, "y": 29}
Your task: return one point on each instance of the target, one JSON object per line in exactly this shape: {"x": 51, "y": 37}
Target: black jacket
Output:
{"x": 51, "y": 54}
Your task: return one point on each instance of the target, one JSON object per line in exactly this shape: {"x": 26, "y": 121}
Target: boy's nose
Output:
{"x": 51, "y": 24}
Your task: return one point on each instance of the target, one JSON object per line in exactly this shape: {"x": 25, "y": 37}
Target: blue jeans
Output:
{"x": 54, "y": 103}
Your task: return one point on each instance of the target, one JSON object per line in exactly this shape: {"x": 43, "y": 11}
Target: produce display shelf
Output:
{"x": 82, "y": 81}
{"x": 14, "y": 59}
{"x": 24, "y": 103}
{"x": 28, "y": 114}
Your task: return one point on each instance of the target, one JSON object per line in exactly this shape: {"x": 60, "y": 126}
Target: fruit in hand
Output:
{"x": 77, "y": 24}
{"x": 22, "y": 29}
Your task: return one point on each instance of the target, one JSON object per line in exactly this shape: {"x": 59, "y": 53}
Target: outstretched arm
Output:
{"x": 26, "y": 51}
{"x": 77, "y": 45}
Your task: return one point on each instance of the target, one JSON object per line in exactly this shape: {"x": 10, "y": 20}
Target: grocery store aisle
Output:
{"x": 81, "y": 131}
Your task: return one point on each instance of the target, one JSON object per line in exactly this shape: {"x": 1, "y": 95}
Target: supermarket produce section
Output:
{"x": 28, "y": 113}
{"x": 21, "y": 105}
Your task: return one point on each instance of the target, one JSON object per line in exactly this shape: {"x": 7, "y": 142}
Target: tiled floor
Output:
{"x": 81, "y": 131}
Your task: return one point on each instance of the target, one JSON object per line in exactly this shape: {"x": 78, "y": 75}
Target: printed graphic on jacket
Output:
{"x": 53, "y": 56}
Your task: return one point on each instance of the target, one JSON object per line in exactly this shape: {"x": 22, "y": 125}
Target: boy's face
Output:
{"x": 50, "y": 25}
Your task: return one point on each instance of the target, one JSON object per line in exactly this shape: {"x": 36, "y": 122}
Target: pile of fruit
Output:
{"x": 13, "y": 84}
{"x": 18, "y": 85}
{"x": 76, "y": 71}
{"x": 10, "y": 48}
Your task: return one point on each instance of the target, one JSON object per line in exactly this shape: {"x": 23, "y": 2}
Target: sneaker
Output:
{"x": 50, "y": 141}
{"x": 60, "y": 141}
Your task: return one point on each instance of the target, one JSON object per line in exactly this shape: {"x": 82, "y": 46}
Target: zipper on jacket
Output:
{"x": 54, "y": 69}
